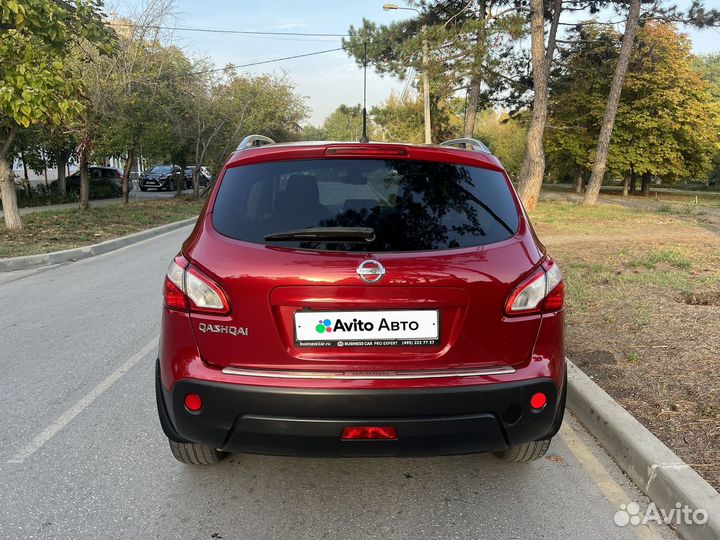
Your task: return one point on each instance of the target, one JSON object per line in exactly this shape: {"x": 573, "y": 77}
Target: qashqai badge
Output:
{"x": 370, "y": 271}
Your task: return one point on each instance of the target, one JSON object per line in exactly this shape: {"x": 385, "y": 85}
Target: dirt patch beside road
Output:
{"x": 643, "y": 316}
{"x": 55, "y": 230}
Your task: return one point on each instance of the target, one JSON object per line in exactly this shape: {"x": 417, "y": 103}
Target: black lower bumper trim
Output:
{"x": 292, "y": 421}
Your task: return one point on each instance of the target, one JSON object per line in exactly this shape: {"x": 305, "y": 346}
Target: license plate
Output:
{"x": 396, "y": 328}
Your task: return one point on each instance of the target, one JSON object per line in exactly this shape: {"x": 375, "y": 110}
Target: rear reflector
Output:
{"x": 369, "y": 150}
{"x": 193, "y": 403}
{"x": 368, "y": 432}
{"x": 538, "y": 401}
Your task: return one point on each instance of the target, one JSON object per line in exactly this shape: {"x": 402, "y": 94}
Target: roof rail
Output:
{"x": 468, "y": 144}
{"x": 253, "y": 141}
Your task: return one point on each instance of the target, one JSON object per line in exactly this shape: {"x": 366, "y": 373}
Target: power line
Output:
{"x": 239, "y": 32}
{"x": 237, "y": 66}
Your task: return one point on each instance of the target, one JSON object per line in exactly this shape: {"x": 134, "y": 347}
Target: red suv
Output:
{"x": 353, "y": 299}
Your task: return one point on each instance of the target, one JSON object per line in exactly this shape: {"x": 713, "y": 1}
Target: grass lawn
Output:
{"x": 643, "y": 315}
{"x": 55, "y": 230}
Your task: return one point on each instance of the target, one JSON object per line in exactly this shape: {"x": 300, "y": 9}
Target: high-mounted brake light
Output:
{"x": 369, "y": 150}
{"x": 542, "y": 292}
{"x": 187, "y": 287}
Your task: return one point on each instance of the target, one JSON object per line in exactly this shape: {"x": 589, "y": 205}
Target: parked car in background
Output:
{"x": 106, "y": 179}
{"x": 205, "y": 177}
{"x": 350, "y": 299}
{"x": 160, "y": 177}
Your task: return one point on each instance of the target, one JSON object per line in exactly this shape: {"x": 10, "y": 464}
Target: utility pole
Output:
{"x": 425, "y": 70}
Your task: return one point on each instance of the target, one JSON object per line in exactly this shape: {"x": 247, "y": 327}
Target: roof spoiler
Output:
{"x": 254, "y": 141}
{"x": 468, "y": 144}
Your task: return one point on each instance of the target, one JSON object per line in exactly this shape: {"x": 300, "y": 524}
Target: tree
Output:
{"x": 344, "y": 124}
{"x": 667, "y": 124}
{"x": 708, "y": 67}
{"x": 667, "y": 121}
{"x": 466, "y": 41}
{"x": 696, "y": 16}
{"x": 505, "y": 136}
{"x": 131, "y": 83}
{"x": 35, "y": 86}
{"x": 533, "y": 167}
{"x": 400, "y": 119}
{"x": 603, "y": 143}
{"x": 226, "y": 108}
{"x": 578, "y": 95}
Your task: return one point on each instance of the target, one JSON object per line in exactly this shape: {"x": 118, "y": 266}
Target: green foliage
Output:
{"x": 708, "y": 67}
{"x": 505, "y": 136}
{"x": 344, "y": 124}
{"x": 401, "y": 120}
{"x": 35, "y": 85}
{"x": 668, "y": 123}
{"x": 466, "y": 41}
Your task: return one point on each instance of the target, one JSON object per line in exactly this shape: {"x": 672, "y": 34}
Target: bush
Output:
{"x": 41, "y": 195}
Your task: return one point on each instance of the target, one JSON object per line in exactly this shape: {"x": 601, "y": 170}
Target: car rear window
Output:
{"x": 410, "y": 205}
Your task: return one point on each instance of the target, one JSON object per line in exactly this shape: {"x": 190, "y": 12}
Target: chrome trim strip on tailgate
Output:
{"x": 370, "y": 375}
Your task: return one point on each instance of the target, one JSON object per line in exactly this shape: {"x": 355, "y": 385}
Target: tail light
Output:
{"x": 543, "y": 292}
{"x": 188, "y": 288}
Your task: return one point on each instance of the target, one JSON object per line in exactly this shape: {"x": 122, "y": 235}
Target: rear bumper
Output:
{"x": 309, "y": 422}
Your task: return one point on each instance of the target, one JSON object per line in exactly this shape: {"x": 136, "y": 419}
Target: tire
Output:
{"x": 525, "y": 452}
{"x": 196, "y": 454}
{"x": 143, "y": 188}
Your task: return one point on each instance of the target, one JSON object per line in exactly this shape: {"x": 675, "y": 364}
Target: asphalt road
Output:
{"x": 82, "y": 454}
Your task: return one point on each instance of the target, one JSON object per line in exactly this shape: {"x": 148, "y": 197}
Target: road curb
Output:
{"x": 74, "y": 254}
{"x": 658, "y": 471}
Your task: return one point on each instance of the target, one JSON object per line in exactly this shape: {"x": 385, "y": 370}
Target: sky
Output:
{"x": 326, "y": 80}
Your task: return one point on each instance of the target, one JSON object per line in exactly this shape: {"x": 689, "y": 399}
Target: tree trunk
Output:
{"x": 476, "y": 75}
{"x": 646, "y": 177}
{"x": 603, "y": 144}
{"x": 126, "y": 176}
{"x": 84, "y": 178}
{"x": 533, "y": 167}
{"x": 579, "y": 181}
{"x": 11, "y": 212}
{"x": 196, "y": 182}
{"x": 62, "y": 163}
{"x": 9, "y": 197}
{"x": 626, "y": 184}
{"x": 25, "y": 173}
{"x": 472, "y": 107}
{"x": 180, "y": 185}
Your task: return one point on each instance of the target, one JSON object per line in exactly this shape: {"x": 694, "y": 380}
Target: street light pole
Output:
{"x": 425, "y": 70}
{"x": 426, "y": 87}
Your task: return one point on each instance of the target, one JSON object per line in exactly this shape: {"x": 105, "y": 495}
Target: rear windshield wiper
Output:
{"x": 332, "y": 234}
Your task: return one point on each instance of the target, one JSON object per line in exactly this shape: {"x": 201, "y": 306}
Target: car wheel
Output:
{"x": 143, "y": 188}
{"x": 521, "y": 453}
{"x": 196, "y": 454}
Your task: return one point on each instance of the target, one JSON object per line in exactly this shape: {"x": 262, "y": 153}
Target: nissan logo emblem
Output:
{"x": 370, "y": 271}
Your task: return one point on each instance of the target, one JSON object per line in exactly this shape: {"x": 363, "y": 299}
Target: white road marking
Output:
{"x": 50, "y": 431}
